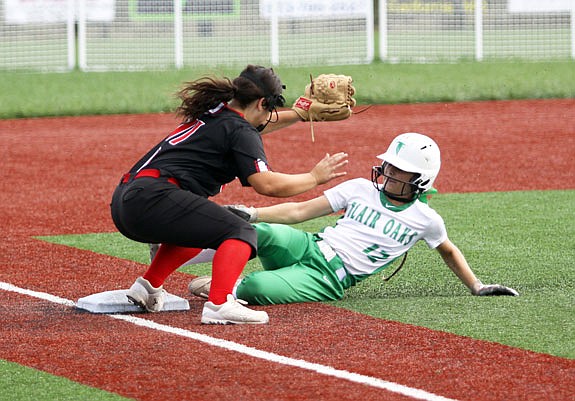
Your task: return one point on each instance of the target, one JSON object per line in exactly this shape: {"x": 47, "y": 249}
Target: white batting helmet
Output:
{"x": 415, "y": 153}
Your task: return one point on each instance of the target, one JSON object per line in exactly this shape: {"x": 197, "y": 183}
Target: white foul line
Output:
{"x": 253, "y": 352}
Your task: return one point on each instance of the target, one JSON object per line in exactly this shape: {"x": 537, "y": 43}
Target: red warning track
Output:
{"x": 58, "y": 178}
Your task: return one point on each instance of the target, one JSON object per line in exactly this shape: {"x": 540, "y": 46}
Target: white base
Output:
{"x": 117, "y": 302}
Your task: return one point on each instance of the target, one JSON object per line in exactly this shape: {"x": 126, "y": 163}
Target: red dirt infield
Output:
{"x": 59, "y": 174}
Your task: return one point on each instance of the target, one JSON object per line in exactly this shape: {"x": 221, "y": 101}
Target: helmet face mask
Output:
{"x": 409, "y": 153}
{"x": 395, "y": 183}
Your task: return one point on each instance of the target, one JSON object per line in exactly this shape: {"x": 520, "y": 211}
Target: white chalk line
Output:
{"x": 250, "y": 351}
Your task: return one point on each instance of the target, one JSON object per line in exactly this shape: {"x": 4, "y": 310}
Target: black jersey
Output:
{"x": 209, "y": 152}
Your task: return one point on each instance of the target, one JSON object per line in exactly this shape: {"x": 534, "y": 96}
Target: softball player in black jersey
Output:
{"x": 164, "y": 197}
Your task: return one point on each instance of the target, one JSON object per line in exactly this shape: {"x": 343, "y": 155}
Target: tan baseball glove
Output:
{"x": 327, "y": 98}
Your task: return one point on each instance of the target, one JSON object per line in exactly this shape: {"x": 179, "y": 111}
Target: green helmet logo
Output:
{"x": 399, "y": 146}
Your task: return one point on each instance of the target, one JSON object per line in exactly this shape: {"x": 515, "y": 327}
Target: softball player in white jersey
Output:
{"x": 382, "y": 220}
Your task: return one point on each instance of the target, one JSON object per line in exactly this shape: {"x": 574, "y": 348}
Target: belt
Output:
{"x": 329, "y": 254}
{"x": 147, "y": 173}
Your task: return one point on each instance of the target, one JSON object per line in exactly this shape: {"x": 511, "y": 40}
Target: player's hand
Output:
{"x": 493, "y": 290}
{"x": 327, "y": 168}
{"x": 249, "y": 214}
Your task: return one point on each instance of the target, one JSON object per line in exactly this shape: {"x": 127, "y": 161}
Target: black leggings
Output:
{"x": 153, "y": 210}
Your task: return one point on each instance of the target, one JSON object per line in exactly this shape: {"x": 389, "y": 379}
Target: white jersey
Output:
{"x": 373, "y": 233}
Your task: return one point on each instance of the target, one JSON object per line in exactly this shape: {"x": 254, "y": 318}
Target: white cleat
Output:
{"x": 232, "y": 311}
{"x": 200, "y": 286}
{"x": 142, "y": 293}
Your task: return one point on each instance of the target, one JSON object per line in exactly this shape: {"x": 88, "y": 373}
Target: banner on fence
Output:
{"x": 315, "y": 9}
{"x": 154, "y": 10}
{"x": 52, "y": 11}
{"x": 538, "y": 6}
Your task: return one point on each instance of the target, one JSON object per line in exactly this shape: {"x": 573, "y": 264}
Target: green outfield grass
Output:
{"x": 78, "y": 93}
{"x": 526, "y": 240}
{"x": 20, "y": 383}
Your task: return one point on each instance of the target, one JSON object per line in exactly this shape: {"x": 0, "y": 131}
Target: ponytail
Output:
{"x": 255, "y": 82}
{"x": 202, "y": 95}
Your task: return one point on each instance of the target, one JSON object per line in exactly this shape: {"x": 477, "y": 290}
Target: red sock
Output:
{"x": 167, "y": 261}
{"x": 229, "y": 261}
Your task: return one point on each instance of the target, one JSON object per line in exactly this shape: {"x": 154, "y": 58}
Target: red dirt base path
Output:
{"x": 58, "y": 178}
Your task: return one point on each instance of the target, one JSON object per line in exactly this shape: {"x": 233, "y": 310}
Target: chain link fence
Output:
{"x": 455, "y": 30}
{"x": 95, "y": 35}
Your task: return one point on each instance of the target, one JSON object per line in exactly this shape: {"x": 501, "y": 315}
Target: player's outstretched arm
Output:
{"x": 285, "y": 118}
{"x": 284, "y": 213}
{"x": 455, "y": 260}
{"x": 295, "y": 212}
{"x": 282, "y": 185}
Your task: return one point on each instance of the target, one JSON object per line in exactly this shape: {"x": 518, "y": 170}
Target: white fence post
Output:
{"x": 382, "y": 14}
{"x": 478, "y": 30}
{"x": 573, "y": 32}
{"x": 71, "y": 33}
{"x": 178, "y": 35}
{"x": 274, "y": 35}
{"x": 370, "y": 27}
{"x": 82, "y": 61}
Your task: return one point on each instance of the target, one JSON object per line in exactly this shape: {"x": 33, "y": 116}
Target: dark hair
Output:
{"x": 268, "y": 83}
{"x": 253, "y": 83}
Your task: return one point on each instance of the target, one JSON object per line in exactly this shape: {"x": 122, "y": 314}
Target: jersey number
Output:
{"x": 375, "y": 254}
{"x": 184, "y": 131}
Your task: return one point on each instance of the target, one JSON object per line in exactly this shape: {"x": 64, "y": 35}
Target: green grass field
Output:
{"x": 531, "y": 248}
{"x": 20, "y": 383}
{"x": 77, "y": 93}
